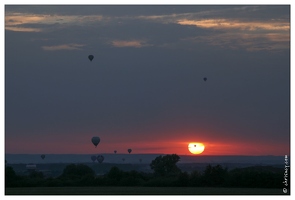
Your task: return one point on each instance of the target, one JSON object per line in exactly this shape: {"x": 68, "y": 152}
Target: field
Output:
{"x": 141, "y": 191}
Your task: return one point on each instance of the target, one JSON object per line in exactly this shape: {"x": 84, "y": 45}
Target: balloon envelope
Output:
{"x": 93, "y": 158}
{"x": 115, "y": 151}
{"x": 95, "y": 140}
{"x": 42, "y": 156}
{"x": 205, "y": 79}
{"x": 100, "y": 158}
{"x": 90, "y": 57}
{"x": 129, "y": 150}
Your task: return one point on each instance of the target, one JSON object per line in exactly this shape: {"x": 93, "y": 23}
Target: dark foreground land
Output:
{"x": 142, "y": 191}
{"x": 164, "y": 177}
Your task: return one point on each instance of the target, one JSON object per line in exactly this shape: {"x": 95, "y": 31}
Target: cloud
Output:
{"x": 16, "y": 21}
{"x": 233, "y": 27}
{"x": 248, "y": 41}
{"x": 237, "y": 34}
{"x": 20, "y": 18}
{"x": 129, "y": 43}
{"x": 63, "y": 47}
{"x": 236, "y": 24}
{"x": 253, "y": 34}
{"x": 23, "y": 29}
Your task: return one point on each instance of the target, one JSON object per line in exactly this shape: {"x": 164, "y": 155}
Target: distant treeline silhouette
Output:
{"x": 166, "y": 174}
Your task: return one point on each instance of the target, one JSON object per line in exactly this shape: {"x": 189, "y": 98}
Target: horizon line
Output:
{"x": 196, "y": 155}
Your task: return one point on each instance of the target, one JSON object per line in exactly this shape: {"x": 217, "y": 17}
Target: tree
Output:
{"x": 10, "y": 176}
{"x": 115, "y": 173}
{"x": 214, "y": 176}
{"x": 165, "y": 165}
{"x": 183, "y": 179}
{"x": 195, "y": 178}
{"x": 78, "y": 171}
{"x": 35, "y": 174}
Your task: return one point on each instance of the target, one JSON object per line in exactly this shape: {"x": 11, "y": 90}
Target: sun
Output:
{"x": 196, "y": 147}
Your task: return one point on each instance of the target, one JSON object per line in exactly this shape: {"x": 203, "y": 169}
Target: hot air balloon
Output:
{"x": 115, "y": 151}
{"x": 129, "y": 150}
{"x": 90, "y": 57}
{"x": 43, "y": 156}
{"x": 100, "y": 158}
{"x": 95, "y": 140}
{"x": 93, "y": 158}
{"x": 205, "y": 79}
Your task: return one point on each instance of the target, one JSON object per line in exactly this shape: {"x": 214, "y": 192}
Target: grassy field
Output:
{"x": 141, "y": 191}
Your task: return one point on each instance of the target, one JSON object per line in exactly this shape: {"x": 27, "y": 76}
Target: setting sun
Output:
{"x": 196, "y": 148}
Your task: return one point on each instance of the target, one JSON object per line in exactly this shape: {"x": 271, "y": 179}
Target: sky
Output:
{"x": 145, "y": 87}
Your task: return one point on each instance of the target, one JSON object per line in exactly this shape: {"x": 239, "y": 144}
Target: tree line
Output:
{"x": 165, "y": 174}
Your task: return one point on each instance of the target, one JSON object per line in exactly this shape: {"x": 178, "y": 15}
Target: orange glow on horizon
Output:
{"x": 82, "y": 145}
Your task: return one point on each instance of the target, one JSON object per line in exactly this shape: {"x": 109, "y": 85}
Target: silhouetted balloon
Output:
{"x": 90, "y": 57}
{"x": 42, "y": 156}
{"x": 205, "y": 79}
{"x": 129, "y": 150}
{"x": 95, "y": 140}
{"x": 93, "y": 158}
{"x": 115, "y": 151}
{"x": 100, "y": 158}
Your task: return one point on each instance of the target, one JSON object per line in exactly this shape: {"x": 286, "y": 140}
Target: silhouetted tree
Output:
{"x": 256, "y": 177}
{"x": 115, "y": 173}
{"x": 35, "y": 174}
{"x": 214, "y": 176}
{"x": 165, "y": 165}
{"x": 10, "y": 176}
{"x": 78, "y": 171}
{"x": 113, "y": 177}
{"x": 183, "y": 179}
{"x": 195, "y": 178}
